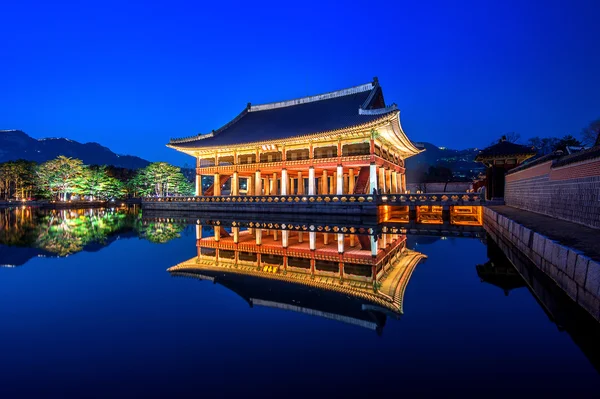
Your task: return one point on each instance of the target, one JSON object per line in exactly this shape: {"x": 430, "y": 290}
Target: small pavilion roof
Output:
{"x": 326, "y": 112}
{"x": 503, "y": 149}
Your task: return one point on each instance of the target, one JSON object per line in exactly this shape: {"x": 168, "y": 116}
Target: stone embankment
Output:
{"x": 567, "y": 252}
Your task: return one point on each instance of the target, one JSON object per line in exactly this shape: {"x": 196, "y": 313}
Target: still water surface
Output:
{"x": 89, "y": 310}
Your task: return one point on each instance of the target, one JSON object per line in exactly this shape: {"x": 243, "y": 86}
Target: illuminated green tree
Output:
{"x": 60, "y": 176}
{"x": 160, "y": 179}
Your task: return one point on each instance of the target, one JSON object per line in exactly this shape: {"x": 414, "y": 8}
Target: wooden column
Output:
{"x": 325, "y": 238}
{"x": 382, "y": 179}
{"x": 346, "y": 183}
{"x": 324, "y": 182}
{"x": 258, "y": 183}
{"x": 274, "y": 184}
{"x": 217, "y": 185}
{"x": 292, "y": 188}
{"x": 300, "y": 237}
{"x": 267, "y": 186}
{"x": 350, "y": 181}
{"x": 198, "y": 185}
{"x": 388, "y": 179}
{"x": 258, "y": 234}
{"x": 394, "y": 182}
{"x": 332, "y": 181}
{"x": 250, "y": 185}
{"x": 235, "y": 184}
{"x": 300, "y": 183}
{"x": 352, "y": 240}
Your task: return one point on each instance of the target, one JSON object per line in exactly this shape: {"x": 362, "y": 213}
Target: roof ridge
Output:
{"x": 317, "y": 97}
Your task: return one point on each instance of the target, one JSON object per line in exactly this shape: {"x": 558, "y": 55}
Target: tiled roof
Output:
{"x": 307, "y": 115}
{"x": 504, "y": 148}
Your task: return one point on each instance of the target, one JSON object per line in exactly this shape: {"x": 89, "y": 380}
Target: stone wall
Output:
{"x": 324, "y": 208}
{"x": 575, "y": 273}
{"x": 566, "y": 188}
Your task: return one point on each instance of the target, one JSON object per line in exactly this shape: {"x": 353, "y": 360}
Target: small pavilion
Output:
{"x": 499, "y": 159}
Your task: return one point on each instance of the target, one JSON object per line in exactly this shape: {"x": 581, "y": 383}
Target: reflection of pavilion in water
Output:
{"x": 356, "y": 278}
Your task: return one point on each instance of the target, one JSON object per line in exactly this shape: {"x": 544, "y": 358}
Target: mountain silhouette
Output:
{"x": 16, "y": 144}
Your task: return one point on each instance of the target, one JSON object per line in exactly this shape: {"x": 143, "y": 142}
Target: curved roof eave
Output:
{"x": 371, "y": 124}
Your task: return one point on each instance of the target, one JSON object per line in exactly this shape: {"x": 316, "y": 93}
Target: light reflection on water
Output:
{"x": 109, "y": 320}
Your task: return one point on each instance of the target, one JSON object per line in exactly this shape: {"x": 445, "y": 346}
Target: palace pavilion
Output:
{"x": 343, "y": 142}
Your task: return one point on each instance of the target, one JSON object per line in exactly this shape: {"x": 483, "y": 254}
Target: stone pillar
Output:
{"x": 372, "y": 177}
{"x": 324, "y": 182}
{"x": 235, "y": 184}
{"x": 300, "y": 183}
{"x": 373, "y": 246}
{"x": 258, "y": 184}
{"x": 258, "y": 234}
{"x": 285, "y": 236}
{"x": 350, "y": 181}
{"x": 340, "y": 241}
{"x": 274, "y": 184}
{"x": 312, "y": 237}
{"x": 394, "y": 182}
{"x": 340, "y": 180}
{"x": 249, "y": 186}
{"x": 198, "y": 185}
{"x": 311, "y": 181}
{"x": 284, "y": 182}
{"x": 217, "y": 185}
{"x": 236, "y": 234}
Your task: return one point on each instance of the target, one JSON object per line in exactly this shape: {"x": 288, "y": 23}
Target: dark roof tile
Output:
{"x": 286, "y": 121}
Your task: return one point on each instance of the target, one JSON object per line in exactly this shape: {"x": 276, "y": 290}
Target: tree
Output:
{"x": 17, "y": 179}
{"x": 567, "y": 141}
{"x": 591, "y": 134}
{"x": 544, "y": 146}
{"x": 60, "y": 176}
{"x": 160, "y": 179}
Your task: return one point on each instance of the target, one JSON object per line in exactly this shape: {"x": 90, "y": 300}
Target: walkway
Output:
{"x": 584, "y": 239}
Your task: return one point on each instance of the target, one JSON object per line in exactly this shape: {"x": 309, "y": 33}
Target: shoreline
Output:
{"x": 69, "y": 204}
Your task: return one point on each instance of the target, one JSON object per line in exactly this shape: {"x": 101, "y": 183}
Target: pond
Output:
{"x": 109, "y": 303}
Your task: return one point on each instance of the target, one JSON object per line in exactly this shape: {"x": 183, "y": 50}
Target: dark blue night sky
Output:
{"x": 132, "y": 76}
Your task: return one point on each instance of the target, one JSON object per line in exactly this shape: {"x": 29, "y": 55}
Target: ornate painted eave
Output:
{"x": 390, "y": 122}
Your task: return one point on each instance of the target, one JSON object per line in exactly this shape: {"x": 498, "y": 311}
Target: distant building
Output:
{"x": 498, "y": 159}
{"x": 343, "y": 142}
